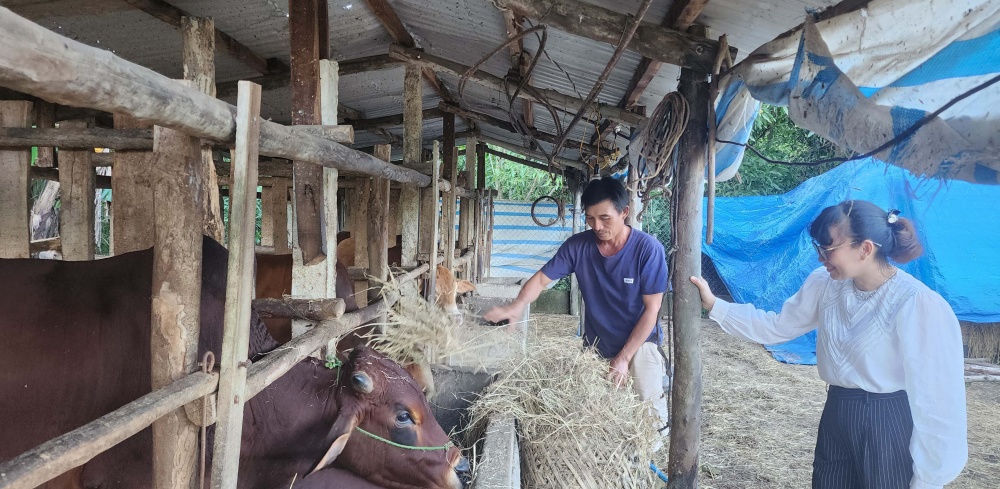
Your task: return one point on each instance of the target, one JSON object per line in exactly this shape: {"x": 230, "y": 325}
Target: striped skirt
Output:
{"x": 863, "y": 441}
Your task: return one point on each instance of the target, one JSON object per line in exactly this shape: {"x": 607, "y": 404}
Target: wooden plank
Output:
{"x": 199, "y": 69}
{"x": 378, "y": 229}
{"x": 282, "y": 78}
{"x": 387, "y": 16}
{"x": 176, "y": 297}
{"x": 239, "y": 290}
{"x": 62, "y": 454}
{"x": 305, "y": 32}
{"x": 429, "y": 231}
{"x": 681, "y": 15}
{"x": 15, "y": 230}
{"x": 70, "y": 137}
{"x": 359, "y": 200}
{"x": 132, "y": 187}
{"x": 393, "y": 120}
{"x": 449, "y": 172}
{"x": 153, "y": 98}
{"x": 173, "y": 16}
{"x": 76, "y": 187}
{"x": 279, "y": 215}
{"x": 660, "y": 43}
{"x": 682, "y": 469}
{"x": 557, "y": 99}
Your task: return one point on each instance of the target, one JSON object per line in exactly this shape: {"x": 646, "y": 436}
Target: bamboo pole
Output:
{"x": 15, "y": 230}
{"x": 239, "y": 289}
{"x": 61, "y": 454}
{"x": 37, "y": 61}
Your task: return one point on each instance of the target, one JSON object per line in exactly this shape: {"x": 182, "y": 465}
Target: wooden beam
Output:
{"x": 52, "y": 175}
{"x": 173, "y": 15}
{"x": 76, "y": 189}
{"x": 412, "y": 145}
{"x": 308, "y": 309}
{"x": 239, "y": 291}
{"x": 681, "y": 15}
{"x": 507, "y": 126}
{"x": 562, "y": 162}
{"x": 558, "y": 100}
{"x": 393, "y": 120}
{"x": 279, "y": 215}
{"x": 73, "y": 137}
{"x": 153, "y": 98}
{"x": 15, "y": 230}
{"x": 660, "y": 43}
{"x": 45, "y": 118}
{"x": 283, "y": 78}
{"x": 199, "y": 69}
{"x": 378, "y": 230}
{"x": 306, "y": 29}
{"x": 519, "y": 61}
{"x": 61, "y": 454}
{"x": 343, "y": 133}
{"x": 682, "y": 469}
{"x": 429, "y": 231}
{"x": 176, "y": 296}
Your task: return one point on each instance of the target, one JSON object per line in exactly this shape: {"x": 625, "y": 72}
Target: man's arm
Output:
{"x": 640, "y": 332}
{"x": 528, "y": 294}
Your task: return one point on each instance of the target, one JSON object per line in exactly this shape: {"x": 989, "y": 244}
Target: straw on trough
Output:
{"x": 576, "y": 428}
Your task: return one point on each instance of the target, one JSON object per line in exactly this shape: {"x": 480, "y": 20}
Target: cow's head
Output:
{"x": 385, "y": 431}
{"x": 447, "y": 288}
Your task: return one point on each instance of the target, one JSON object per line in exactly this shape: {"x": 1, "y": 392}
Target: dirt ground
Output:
{"x": 759, "y": 417}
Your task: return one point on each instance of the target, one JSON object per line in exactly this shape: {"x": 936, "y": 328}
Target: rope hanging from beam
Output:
{"x": 659, "y": 141}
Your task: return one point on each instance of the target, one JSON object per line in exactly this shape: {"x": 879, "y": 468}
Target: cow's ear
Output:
{"x": 342, "y": 430}
{"x": 421, "y": 373}
{"x": 465, "y": 286}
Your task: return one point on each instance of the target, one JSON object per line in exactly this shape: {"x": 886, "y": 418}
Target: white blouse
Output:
{"x": 905, "y": 337}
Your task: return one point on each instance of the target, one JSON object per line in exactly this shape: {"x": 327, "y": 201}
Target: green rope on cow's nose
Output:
{"x": 408, "y": 447}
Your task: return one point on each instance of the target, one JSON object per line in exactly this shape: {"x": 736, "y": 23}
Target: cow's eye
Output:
{"x": 404, "y": 418}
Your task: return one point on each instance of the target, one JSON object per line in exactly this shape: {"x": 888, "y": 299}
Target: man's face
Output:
{"x": 605, "y": 220}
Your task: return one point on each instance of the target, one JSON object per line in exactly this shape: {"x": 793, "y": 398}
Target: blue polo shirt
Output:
{"x": 613, "y": 286}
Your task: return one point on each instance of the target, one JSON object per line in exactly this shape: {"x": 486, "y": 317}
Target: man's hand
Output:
{"x": 618, "y": 372}
{"x": 511, "y": 313}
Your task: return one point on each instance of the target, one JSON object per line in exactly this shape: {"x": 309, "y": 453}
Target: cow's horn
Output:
{"x": 362, "y": 382}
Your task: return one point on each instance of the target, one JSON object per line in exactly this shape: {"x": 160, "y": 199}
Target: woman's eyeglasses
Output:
{"x": 824, "y": 252}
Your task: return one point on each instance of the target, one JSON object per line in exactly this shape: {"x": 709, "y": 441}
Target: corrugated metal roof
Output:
{"x": 463, "y": 31}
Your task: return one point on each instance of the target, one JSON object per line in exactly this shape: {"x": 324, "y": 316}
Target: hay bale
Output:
{"x": 576, "y": 428}
{"x": 982, "y": 340}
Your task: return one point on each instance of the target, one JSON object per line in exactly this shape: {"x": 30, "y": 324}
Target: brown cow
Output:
{"x": 78, "y": 336}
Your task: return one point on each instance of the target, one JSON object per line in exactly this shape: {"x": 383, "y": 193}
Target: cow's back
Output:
{"x": 76, "y": 341}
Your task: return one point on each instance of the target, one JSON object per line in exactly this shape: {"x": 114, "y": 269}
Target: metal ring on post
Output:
{"x": 559, "y": 214}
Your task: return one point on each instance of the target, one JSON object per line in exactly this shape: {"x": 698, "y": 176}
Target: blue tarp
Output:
{"x": 763, "y": 253}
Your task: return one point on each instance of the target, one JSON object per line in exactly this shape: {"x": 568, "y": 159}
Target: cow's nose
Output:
{"x": 464, "y": 471}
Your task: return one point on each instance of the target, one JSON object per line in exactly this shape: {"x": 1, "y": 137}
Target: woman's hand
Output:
{"x": 707, "y": 297}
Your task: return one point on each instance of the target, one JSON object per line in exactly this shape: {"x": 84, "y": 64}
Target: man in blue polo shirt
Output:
{"x": 623, "y": 274}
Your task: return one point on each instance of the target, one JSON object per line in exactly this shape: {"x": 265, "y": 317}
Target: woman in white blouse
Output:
{"x": 890, "y": 348}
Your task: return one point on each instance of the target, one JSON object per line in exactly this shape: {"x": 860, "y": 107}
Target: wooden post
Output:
{"x": 472, "y": 182}
{"x": 306, "y": 30}
{"x": 448, "y": 199}
{"x": 574, "y": 284}
{"x": 199, "y": 68}
{"x": 329, "y": 94}
{"x": 378, "y": 229}
{"x": 429, "y": 223}
{"x": 634, "y": 203}
{"x": 685, "y": 411}
{"x": 266, "y": 212}
{"x": 394, "y": 222}
{"x": 239, "y": 289}
{"x": 278, "y": 205}
{"x": 359, "y": 231}
{"x": 45, "y": 118}
{"x": 132, "y": 190}
{"x": 176, "y": 294}
{"x": 76, "y": 186}
{"x": 15, "y": 230}
{"x": 409, "y": 196}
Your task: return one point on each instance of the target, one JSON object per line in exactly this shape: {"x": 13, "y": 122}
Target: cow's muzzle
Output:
{"x": 464, "y": 472}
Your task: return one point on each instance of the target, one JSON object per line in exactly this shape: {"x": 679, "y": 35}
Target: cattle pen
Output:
{"x": 289, "y": 128}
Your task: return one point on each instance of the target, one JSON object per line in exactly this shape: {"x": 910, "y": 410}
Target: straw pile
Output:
{"x": 576, "y": 428}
